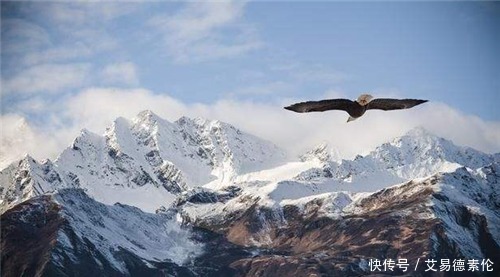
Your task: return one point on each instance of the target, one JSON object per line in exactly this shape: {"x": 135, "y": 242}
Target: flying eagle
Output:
{"x": 357, "y": 108}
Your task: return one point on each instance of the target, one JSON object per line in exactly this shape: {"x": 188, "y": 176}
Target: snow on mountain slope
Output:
{"x": 417, "y": 154}
{"x": 191, "y": 152}
{"x": 460, "y": 209}
{"x": 146, "y": 161}
{"x": 419, "y": 195}
{"x": 420, "y": 153}
{"x": 408, "y": 157}
{"x": 111, "y": 228}
{"x": 25, "y": 179}
{"x": 318, "y": 178}
{"x": 83, "y": 235}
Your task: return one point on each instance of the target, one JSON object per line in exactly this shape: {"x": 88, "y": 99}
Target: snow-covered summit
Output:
{"x": 428, "y": 150}
{"x": 417, "y": 154}
{"x": 148, "y": 160}
{"x": 321, "y": 152}
{"x": 417, "y": 191}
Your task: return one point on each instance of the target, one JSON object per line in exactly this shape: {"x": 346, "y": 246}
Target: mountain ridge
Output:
{"x": 132, "y": 154}
{"x": 239, "y": 207}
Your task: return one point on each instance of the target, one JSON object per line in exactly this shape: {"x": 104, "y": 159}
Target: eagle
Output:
{"x": 356, "y": 108}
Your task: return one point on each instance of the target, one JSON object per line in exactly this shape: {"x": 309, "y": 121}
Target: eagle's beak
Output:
{"x": 351, "y": 119}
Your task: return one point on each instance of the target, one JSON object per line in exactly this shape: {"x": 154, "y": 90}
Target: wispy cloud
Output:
{"x": 75, "y": 27}
{"x": 49, "y": 78}
{"x": 120, "y": 73}
{"x": 49, "y": 48}
{"x": 84, "y": 12}
{"x": 64, "y": 53}
{"x": 20, "y": 36}
{"x": 204, "y": 31}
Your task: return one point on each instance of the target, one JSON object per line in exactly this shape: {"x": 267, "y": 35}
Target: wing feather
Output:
{"x": 323, "y": 105}
{"x": 388, "y": 104}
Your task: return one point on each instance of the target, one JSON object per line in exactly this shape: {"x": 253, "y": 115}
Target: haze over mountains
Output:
{"x": 200, "y": 197}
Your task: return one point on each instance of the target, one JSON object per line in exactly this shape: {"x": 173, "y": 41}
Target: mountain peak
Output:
{"x": 147, "y": 117}
{"x": 319, "y": 152}
{"x": 185, "y": 120}
{"x": 27, "y": 158}
{"x": 146, "y": 114}
{"x": 419, "y": 137}
{"x": 86, "y": 134}
{"x": 119, "y": 127}
{"x": 84, "y": 131}
{"x": 427, "y": 152}
{"x": 120, "y": 121}
{"x": 199, "y": 121}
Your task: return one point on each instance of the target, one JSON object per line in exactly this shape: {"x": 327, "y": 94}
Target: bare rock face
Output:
{"x": 29, "y": 233}
{"x": 201, "y": 198}
{"x": 70, "y": 234}
{"x": 415, "y": 220}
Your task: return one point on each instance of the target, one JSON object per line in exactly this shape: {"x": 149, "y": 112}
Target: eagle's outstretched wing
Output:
{"x": 387, "y": 104}
{"x": 323, "y": 105}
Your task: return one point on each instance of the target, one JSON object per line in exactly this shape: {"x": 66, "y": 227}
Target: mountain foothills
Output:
{"x": 201, "y": 198}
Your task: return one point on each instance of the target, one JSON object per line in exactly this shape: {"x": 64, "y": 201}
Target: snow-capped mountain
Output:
{"x": 229, "y": 203}
{"x": 76, "y": 228}
{"x": 144, "y": 162}
{"x": 417, "y": 154}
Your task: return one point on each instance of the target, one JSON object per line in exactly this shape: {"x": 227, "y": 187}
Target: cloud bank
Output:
{"x": 96, "y": 108}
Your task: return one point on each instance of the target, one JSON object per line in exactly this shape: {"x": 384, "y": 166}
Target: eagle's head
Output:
{"x": 364, "y": 99}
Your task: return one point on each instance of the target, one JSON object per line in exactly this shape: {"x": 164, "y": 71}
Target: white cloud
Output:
{"x": 18, "y": 138}
{"x": 96, "y": 108}
{"x": 299, "y": 132}
{"x": 83, "y": 12}
{"x": 120, "y": 73}
{"x": 19, "y": 36}
{"x": 197, "y": 32}
{"x": 71, "y": 32}
{"x": 198, "y": 20}
{"x": 50, "y": 78}
{"x": 74, "y": 51}
{"x": 97, "y": 39}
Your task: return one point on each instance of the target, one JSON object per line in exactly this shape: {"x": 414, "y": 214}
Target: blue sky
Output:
{"x": 265, "y": 54}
